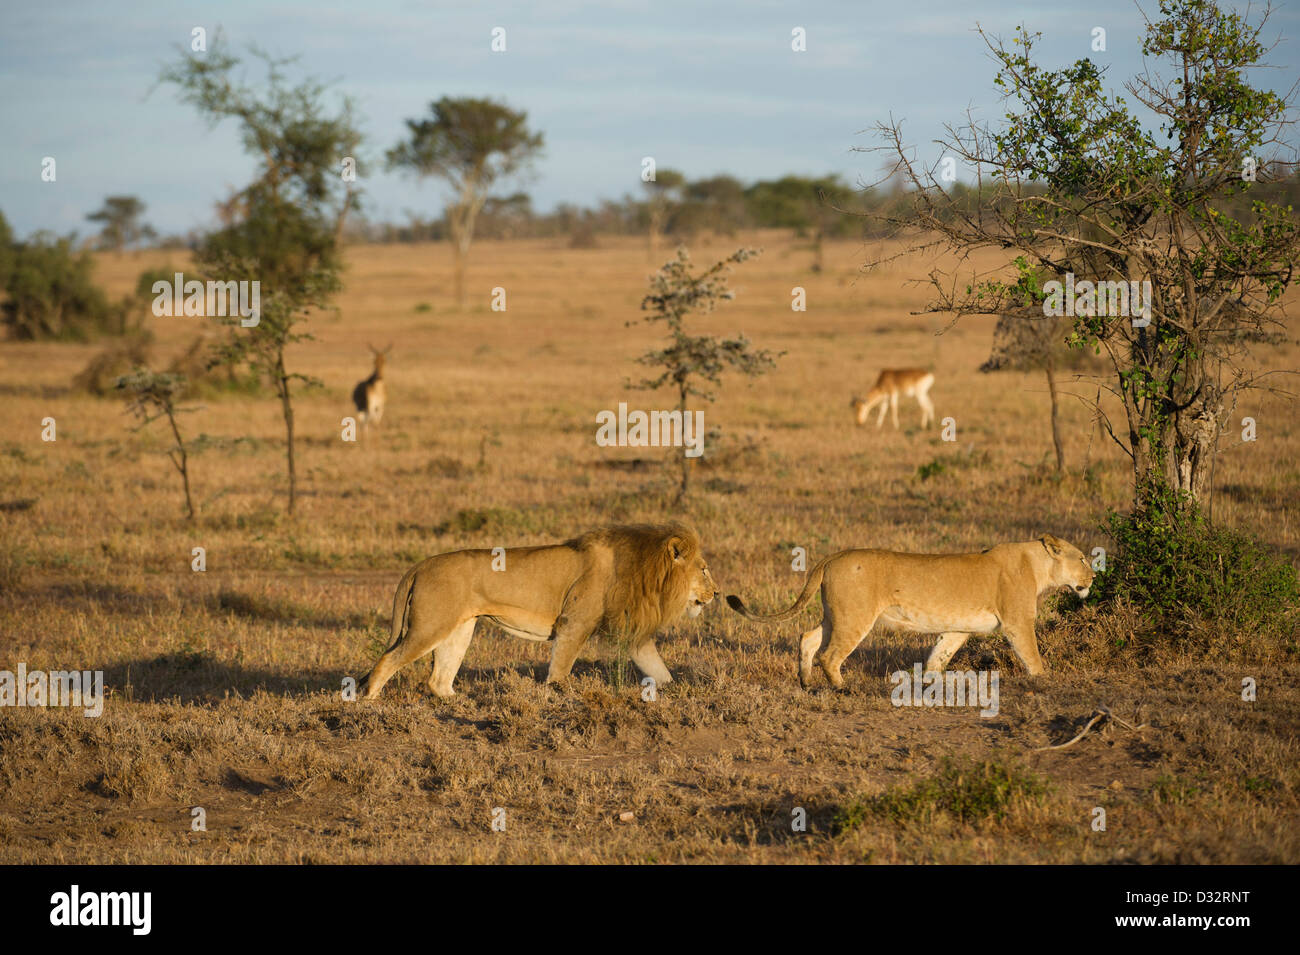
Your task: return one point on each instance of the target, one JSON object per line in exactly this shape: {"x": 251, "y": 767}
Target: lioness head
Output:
{"x": 689, "y": 562}
{"x": 1070, "y": 567}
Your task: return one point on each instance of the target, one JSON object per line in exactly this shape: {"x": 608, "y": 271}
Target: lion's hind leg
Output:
{"x": 809, "y": 645}
{"x": 447, "y": 657}
{"x": 392, "y": 661}
{"x": 421, "y": 636}
{"x": 844, "y": 640}
{"x": 845, "y": 633}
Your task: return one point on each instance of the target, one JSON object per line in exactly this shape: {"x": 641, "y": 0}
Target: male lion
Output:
{"x": 954, "y": 595}
{"x": 629, "y": 580}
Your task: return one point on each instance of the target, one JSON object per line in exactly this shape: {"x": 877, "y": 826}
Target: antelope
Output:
{"x": 369, "y": 395}
{"x": 912, "y": 382}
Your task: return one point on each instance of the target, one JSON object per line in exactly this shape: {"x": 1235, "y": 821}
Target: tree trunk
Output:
{"x": 1148, "y": 429}
{"x": 286, "y": 405}
{"x": 185, "y": 477}
{"x": 1148, "y": 463}
{"x": 686, "y": 462}
{"x": 342, "y": 217}
{"x": 1173, "y": 406}
{"x": 1056, "y": 420}
{"x": 1193, "y": 450}
{"x": 458, "y": 273}
{"x": 461, "y": 217}
{"x": 460, "y": 223}
{"x": 182, "y": 462}
{"x": 456, "y": 225}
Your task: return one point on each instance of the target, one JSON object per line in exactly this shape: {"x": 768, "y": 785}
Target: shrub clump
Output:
{"x": 51, "y": 293}
{"x": 100, "y": 375}
{"x": 972, "y": 793}
{"x": 1175, "y": 568}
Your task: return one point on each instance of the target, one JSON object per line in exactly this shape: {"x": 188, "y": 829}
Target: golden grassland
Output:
{"x": 225, "y": 684}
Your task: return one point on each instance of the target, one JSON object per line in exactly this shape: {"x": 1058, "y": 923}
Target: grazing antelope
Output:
{"x": 369, "y": 395}
{"x": 913, "y": 382}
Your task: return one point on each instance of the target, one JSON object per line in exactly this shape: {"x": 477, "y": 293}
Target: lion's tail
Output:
{"x": 402, "y": 603}
{"x": 809, "y": 588}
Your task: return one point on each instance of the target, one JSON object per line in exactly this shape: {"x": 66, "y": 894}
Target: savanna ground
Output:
{"x": 225, "y": 685}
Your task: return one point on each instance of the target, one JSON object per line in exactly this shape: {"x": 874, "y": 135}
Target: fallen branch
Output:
{"x": 1097, "y": 715}
{"x": 1100, "y": 713}
{"x": 1124, "y": 723}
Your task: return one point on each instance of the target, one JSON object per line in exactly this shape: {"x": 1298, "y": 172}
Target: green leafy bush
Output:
{"x": 930, "y": 469}
{"x": 972, "y": 793}
{"x": 51, "y": 294}
{"x": 1172, "y": 565}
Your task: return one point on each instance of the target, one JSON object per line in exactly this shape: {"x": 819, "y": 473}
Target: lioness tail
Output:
{"x": 809, "y": 588}
{"x": 401, "y": 603}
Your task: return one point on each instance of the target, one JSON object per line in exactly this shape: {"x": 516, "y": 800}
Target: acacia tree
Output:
{"x": 1031, "y": 344}
{"x": 282, "y": 229}
{"x": 691, "y": 363}
{"x": 1025, "y": 339}
{"x": 1074, "y": 182}
{"x": 471, "y": 143}
{"x": 122, "y": 226}
{"x": 716, "y": 203}
{"x": 810, "y": 206}
{"x": 152, "y": 395}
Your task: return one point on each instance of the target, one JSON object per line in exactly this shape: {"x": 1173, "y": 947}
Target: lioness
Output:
{"x": 951, "y": 594}
{"x": 629, "y": 580}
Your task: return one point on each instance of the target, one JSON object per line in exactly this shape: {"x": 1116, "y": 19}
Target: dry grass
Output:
{"x": 225, "y": 684}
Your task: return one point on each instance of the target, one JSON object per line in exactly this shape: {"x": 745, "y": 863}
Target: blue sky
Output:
{"x": 705, "y": 88}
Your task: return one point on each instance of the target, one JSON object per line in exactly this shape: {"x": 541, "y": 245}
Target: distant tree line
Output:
{"x": 46, "y": 290}
{"x": 680, "y": 207}
{"x": 811, "y": 207}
